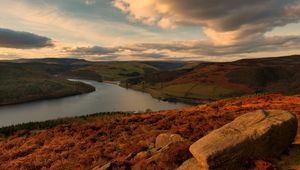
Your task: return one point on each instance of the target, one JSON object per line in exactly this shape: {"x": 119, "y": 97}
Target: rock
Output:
{"x": 104, "y": 167}
{"x": 190, "y": 164}
{"x": 142, "y": 155}
{"x": 257, "y": 135}
{"x": 165, "y": 139}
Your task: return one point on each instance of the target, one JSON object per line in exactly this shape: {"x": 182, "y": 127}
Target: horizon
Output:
{"x": 86, "y": 59}
{"x": 126, "y": 30}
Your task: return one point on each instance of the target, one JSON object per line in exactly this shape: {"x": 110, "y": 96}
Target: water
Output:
{"x": 106, "y": 98}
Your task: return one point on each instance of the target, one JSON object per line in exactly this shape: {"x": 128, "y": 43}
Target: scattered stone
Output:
{"x": 190, "y": 164}
{"x": 165, "y": 139}
{"x": 257, "y": 135}
{"x": 142, "y": 155}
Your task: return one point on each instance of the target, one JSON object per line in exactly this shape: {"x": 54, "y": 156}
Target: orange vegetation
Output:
{"x": 86, "y": 144}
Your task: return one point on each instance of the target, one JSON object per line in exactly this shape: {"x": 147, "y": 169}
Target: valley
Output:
{"x": 188, "y": 82}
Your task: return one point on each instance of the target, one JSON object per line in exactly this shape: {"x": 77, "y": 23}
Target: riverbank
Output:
{"x": 161, "y": 95}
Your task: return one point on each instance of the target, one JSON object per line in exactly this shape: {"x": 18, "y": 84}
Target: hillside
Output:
{"x": 28, "y": 82}
{"x": 84, "y": 143}
{"x": 213, "y": 81}
{"x": 190, "y": 82}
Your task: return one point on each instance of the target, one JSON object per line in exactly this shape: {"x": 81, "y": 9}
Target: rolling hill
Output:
{"x": 32, "y": 81}
{"x": 211, "y": 81}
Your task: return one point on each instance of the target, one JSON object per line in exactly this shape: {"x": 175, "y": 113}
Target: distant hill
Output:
{"x": 192, "y": 82}
{"x": 214, "y": 80}
{"x": 63, "y": 61}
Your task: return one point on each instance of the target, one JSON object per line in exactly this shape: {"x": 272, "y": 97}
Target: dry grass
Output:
{"x": 84, "y": 145}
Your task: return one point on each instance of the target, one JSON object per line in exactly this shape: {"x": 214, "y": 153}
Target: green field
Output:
{"x": 197, "y": 91}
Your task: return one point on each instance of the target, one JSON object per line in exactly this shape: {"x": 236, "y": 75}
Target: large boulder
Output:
{"x": 190, "y": 164}
{"x": 165, "y": 139}
{"x": 256, "y": 135}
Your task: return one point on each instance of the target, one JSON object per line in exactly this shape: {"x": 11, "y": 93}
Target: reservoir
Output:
{"x": 106, "y": 98}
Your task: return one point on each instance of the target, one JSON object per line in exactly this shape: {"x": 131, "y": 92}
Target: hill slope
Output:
{"x": 87, "y": 142}
{"x": 28, "y": 82}
{"x": 214, "y": 81}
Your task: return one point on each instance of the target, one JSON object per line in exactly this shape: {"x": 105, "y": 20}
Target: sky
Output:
{"x": 207, "y": 30}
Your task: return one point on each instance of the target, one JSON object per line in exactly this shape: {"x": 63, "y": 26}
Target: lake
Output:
{"x": 106, "y": 98}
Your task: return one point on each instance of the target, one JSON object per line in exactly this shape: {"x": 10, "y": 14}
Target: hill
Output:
{"x": 211, "y": 81}
{"x": 26, "y": 80}
{"x": 83, "y": 143}
{"x": 32, "y": 81}
{"x": 190, "y": 82}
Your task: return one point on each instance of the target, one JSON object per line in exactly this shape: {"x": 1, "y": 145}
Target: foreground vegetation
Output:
{"x": 84, "y": 143}
{"x": 25, "y": 128}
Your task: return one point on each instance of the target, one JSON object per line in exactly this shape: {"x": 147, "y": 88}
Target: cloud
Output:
{"x": 150, "y": 56}
{"x": 72, "y": 22}
{"x": 22, "y": 40}
{"x": 94, "y": 50}
{"x": 200, "y": 49}
{"x": 224, "y": 22}
{"x": 190, "y": 50}
{"x": 90, "y": 2}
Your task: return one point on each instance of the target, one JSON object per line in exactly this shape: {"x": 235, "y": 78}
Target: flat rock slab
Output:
{"x": 255, "y": 135}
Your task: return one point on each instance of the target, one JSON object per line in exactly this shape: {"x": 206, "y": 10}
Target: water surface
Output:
{"x": 106, "y": 98}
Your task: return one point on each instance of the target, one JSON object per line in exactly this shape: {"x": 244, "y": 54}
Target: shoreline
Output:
{"x": 173, "y": 99}
{"x": 45, "y": 99}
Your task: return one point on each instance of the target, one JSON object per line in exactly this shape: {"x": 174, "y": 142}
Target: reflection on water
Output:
{"x": 106, "y": 98}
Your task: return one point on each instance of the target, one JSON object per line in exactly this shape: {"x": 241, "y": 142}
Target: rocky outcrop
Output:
{"x": 165, "y": 139}
{"x": 256, "y": 135}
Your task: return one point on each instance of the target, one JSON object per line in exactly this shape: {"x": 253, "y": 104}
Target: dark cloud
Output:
{"x": 190, "y": 50}
{"x": 206, "y": 48}
{"x": 151, "y": 56}
{"x": 225, "y": 22}
{"x": 94, "y": 50}
{"x": 22, "y": 40}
